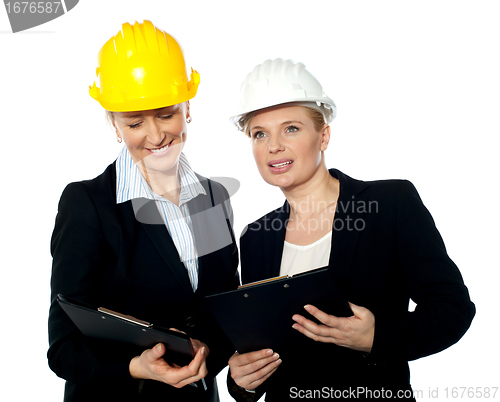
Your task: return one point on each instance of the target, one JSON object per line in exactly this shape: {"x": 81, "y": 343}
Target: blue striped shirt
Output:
{"x": 131, "y": 184}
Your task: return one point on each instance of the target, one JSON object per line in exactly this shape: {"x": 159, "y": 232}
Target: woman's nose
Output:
{"x": 155, "y": 134}
{"x": 275, "y": 144}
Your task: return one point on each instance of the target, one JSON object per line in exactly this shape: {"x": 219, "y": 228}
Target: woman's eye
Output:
{"x": 258, "y": 134}
{"x": 166, "y": 117}
{"x": 291, "y": 129}
{"x": 135, "y": 125}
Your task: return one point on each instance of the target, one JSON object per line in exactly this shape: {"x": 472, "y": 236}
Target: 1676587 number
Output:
{"x": 40, "y": 7}
{"x": 471, "y": 392}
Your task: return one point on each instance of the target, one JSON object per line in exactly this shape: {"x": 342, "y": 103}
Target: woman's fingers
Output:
{"x": 158, "y": 351}
{"x": 249, "y": 370}
{"x": 151, "y": 365}
{"x": 263, "y": 375}
{"x": 308, "y": 327}
{"x": 355, "y": 332}
{"x": 198, "y": 345}
{"x": 194, "y": 371}
{"x": 311, "y": 330}
{"x": 264, "y": 369}
{"x": 251, "y": 357}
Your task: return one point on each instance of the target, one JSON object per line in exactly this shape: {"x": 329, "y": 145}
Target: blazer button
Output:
{"x": 190, "y": 322}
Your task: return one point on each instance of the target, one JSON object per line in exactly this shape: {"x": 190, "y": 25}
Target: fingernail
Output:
{"x": 275, "y": 356}
{"x": 158, "y": 347}
{"x": 307, "y": 307}
{"x": 294, "y": 326}
{"x": 203, "y": 350}
{"x": 269, "y": 352}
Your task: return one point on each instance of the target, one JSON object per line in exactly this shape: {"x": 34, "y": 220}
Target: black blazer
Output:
{"x": 385, "y": 251}
{"x": 103, "y": 255}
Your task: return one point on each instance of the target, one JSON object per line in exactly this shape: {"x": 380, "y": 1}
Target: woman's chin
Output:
{"x": 279, "y": 181}
{"x": 163, "y": 164}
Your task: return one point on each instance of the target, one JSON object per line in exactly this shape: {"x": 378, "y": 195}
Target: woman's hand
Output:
{"x": 355, "y": 332}
{"x": 249, "y": 370}
{"x": 151, "y": 366}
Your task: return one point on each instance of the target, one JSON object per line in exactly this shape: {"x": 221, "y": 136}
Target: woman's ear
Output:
{"x": 325, "y": 137}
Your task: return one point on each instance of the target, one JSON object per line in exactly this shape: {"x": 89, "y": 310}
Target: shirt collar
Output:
{"x": 131, "y": 184}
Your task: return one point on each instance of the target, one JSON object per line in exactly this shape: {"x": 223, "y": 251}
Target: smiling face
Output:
{"x": 287, "y": 147}
{"x": 154, "y": 137}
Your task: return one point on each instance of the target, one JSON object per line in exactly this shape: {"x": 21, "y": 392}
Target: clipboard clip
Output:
{"x": 124, "y": 317}
{"x": 264, "y": 281}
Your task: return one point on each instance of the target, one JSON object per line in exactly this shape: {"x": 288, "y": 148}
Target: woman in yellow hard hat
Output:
{"x": 376, "y": 239}
{"x": 146, "y": 238}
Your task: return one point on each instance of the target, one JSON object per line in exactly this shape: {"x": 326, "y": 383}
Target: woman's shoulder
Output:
{"x": 381, "y": 188}
{"x": 100, "y": 186}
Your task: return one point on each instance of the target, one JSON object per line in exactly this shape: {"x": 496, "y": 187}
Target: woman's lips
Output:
{"x": 280, "y": 165}
{"x": 159, "y": 151}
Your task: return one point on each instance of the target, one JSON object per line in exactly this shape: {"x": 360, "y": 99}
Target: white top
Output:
{"x": 298, "y": 259}
{"x": 130, "y": 184}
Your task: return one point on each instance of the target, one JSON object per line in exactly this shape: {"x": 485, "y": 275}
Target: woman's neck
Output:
{"x": 314, "y": 196}
{"x": 166, "y": 184}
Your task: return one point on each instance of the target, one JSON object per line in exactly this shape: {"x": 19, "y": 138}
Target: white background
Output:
{"x": 417, "y": 89}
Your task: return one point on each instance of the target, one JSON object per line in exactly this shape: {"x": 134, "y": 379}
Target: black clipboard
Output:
{"x": 102, "y": 323}
{"x": 259, "y": 315}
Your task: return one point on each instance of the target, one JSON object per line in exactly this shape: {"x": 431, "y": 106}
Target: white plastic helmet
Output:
{"x": 275, "y": 82}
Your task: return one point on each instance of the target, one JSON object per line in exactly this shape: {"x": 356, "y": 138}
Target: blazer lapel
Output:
{"x": 146, "y": 214}
{"x": 273, "y": 246}
{"x": 347, "y": 224}
{"x": 158, "y": 234}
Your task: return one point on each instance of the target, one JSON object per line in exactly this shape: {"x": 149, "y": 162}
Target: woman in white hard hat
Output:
{"x": 134, "y": 239}
{"x": 377, "y": 238}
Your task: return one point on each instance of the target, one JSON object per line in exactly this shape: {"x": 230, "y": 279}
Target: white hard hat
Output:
{"x": 275, "y": 82}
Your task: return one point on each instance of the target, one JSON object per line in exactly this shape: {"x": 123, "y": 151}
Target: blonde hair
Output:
{"x": 109, "y": 117}
{"x": 315, "y": 115}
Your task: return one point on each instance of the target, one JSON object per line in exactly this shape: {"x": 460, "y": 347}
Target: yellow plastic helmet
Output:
{"x": 142, "y": 68}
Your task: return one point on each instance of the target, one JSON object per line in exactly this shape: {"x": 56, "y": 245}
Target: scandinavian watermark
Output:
{"x": 352, "y": 217}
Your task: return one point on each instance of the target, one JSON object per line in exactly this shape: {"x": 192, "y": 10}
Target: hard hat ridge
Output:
{"x": 140, "y": 41}
{"x": 140, "y": 68}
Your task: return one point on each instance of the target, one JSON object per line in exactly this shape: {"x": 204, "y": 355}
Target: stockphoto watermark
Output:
{"x": 319, "y": 216}
{"x": 474, "y": 393}
{"x": 28, "y": 14}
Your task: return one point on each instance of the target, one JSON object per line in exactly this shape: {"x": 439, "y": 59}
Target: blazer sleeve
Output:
{"x": 79, "y": 256}
{"x": 443, "y": 310}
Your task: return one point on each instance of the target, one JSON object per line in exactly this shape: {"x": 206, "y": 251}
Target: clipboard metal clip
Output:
{"x": 124, "y": 317}
{"x": 264, "y": 281}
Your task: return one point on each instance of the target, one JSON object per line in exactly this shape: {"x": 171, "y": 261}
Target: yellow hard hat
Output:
{"x": 142, "y": 68}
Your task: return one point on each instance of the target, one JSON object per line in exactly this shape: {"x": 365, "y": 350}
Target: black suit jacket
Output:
{"x": 385, "y": 251}
{"x": 105, "y": 256}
